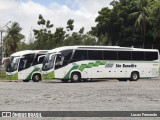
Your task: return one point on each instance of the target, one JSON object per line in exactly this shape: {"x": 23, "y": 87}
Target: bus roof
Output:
{"x": 24, "y": 52}
{"x": 56, "y": 50}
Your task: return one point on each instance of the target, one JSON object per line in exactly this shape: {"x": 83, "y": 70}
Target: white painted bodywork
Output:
{"x": 146, "y": 69}
{"x": 23, "y": 74}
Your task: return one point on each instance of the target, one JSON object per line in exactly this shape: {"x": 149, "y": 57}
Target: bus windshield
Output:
{"x": 48, "y": 62}
{"x": 13, "y": 64}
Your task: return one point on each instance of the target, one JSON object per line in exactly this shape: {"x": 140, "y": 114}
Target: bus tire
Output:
{"x": 64, "y": 80}
{"x": 25, "y": 80}
{"x": 36, "y": 77}
{"x": 134, "y": 76}
{"x": 75, "y": 77}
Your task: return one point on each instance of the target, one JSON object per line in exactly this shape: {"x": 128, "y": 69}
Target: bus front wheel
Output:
{"x": 36, "y": 78}
{"x": 75, "y": 77}
{"x": 134, "y": 76}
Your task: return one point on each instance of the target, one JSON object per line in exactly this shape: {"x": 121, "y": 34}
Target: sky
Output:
{"x": 26, "y": 13}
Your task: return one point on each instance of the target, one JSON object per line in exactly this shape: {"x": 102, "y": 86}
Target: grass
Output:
{"x": 2, "y": 75}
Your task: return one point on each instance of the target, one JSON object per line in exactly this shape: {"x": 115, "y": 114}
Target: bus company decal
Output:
{"x": 83, "y": 66}
{"x": 12, "y": 77}
{"x": 73, "y": 68}
{"x": 109, "y": 65}
{"x": 126, "y": 65}
{"x": 30, "y": 75}
{"x": 49, "y": 76}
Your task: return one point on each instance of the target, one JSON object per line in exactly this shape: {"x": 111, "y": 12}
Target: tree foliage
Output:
{"x": 45, "y": 38}
{"x": 128, "y": 23}
{"x": 12, "y": 38}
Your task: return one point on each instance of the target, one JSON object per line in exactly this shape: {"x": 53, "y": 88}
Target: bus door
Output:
{"x": 22, "y": 72}
{"x": 25, "y": 67}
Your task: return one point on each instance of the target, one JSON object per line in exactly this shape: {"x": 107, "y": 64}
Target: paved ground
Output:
{"x": 108, "y": 95}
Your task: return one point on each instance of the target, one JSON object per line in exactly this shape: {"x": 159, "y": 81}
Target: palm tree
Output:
{"x": 12, "y": 38}
{"x": 142, "y": 18}
{"x": 155, "y": 20}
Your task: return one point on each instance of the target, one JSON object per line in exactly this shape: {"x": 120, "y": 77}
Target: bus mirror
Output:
{"x": 50, "y": 57}
{"x": 16, "y": 58}
{"x": 59, "y": 53}
{"x": 40, "y": 58}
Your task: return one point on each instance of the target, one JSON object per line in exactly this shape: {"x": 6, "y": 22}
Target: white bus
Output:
{"x": 25, "y": 65}
{"x": 77, "y": 63}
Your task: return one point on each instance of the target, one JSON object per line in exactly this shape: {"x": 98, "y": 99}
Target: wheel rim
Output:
{"x": 37, "y": 77}
{"x": 75, "y": 77}
{"x": 135, "y": 76}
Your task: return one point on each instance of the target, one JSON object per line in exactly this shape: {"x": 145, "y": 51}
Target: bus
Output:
{"x": 84, "y": 63}
{"x": 25, "y": 65}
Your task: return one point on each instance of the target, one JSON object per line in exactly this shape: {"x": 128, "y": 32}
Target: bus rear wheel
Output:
{"x": 36, "y": 78}
{"x": 134, "y": 76}
{"x": 75, "y": 77}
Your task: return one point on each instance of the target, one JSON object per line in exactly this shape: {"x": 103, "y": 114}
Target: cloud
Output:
{"x": 26, "y": 13}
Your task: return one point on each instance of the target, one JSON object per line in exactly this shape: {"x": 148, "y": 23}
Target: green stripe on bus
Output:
{"x": 49, "y": 76}
{"x": 12, "y": 77}
{"x": 83, "y": 66}
{"x": 89, "y": 65}
{"x": 30, "y": 75}
{"x": 73, "y": 68}
{"x": 103, "y": 62}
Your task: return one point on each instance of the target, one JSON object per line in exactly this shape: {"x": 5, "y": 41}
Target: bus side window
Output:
{"x": 36, "y": 59}
{"x": 137, "y": 55}
{"x": 94, "y": 54}
{"x": 124, "y": 55}
{"x": 41, "y": 60}
{"x": 59, "y": 61}
{"x": 110, "y": 55}
{"x": 26, "y": 62}
{"x": 79, "y": 55}
{"x": 22, "y": 64}
{"x": 151, "y": 56}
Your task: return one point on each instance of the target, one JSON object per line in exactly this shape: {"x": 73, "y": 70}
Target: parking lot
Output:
{"x": 104, "y": 95}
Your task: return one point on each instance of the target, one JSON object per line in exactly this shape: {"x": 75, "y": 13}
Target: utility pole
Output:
{"x": 1, "y": 48}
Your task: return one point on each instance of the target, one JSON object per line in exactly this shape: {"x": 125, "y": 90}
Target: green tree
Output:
{"x": 70, "y": 25}
{"x": 142, "y": 16}
{"x": 44, "y": 36}
{"x": 12, "y": 38}
{"x": 155, "y": 20}
{"x": 115, "y": 26}
{"x": 81, "y": 31}
{"x": 59, "y": 36}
